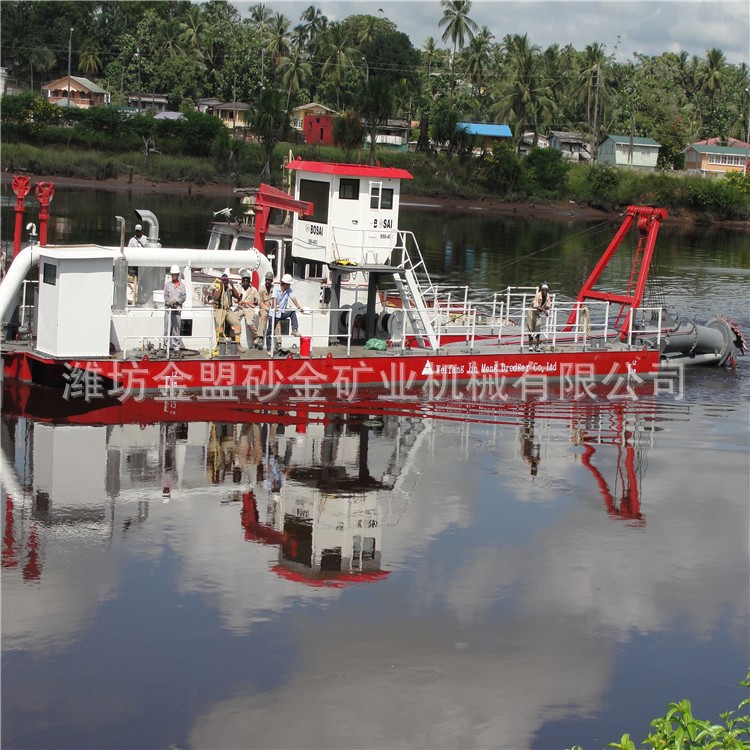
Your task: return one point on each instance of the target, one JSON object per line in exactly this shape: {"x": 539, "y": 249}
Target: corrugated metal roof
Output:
{"x": 636, "y": 140}
{"x": 728, "y": 150}
{"x": 349, "y": 170}
{"x": 90, "y": 85}
{"x": 486, "y": 129}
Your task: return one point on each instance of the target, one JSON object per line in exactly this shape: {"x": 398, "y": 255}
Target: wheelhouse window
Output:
{"x": 381, "y": 198}
{"x": 317, "y": 193}
{"x": 349, "y": 189}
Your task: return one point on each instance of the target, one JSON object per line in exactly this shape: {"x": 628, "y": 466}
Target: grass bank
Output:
{"x": 498, "y": 176}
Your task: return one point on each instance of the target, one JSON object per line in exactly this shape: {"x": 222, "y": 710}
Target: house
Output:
{"x": 623, "y": 151}
{"x": 83, "y": 93}
{"x": 143, "y": 101}
{"x": 717, "y": 160}
{"x": 487, "y": 133}
{"x": 529, "y": 140}
{"x": 235, "y": 115}
{"x": 206, "y": 106}
{"x": 574, "y": 146}
{"x": 393, "y": 133}
{"x": 313, "y": 109}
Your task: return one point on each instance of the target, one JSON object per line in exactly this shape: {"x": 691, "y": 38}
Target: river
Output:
{"x": 533, "y": 573}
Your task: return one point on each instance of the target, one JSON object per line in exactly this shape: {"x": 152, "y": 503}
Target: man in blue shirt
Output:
{"x": 281, "y": 310}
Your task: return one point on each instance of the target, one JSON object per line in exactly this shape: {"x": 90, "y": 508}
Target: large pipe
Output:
{"x": 136, "y": 256}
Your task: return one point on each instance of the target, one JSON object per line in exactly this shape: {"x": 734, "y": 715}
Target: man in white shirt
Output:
{"x": 138, "y": 240}
{"x": 175, "y": 295}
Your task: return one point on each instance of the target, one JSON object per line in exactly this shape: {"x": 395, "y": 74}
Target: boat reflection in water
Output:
{"x": 319, "y": 482}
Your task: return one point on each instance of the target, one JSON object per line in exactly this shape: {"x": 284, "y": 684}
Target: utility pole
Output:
{"x": 595, "y": 136}
{"x": 70, "y": 54}
{"x": 138, "y": 55}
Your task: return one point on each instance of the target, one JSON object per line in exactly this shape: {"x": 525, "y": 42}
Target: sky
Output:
{"x": 623, "y": 26}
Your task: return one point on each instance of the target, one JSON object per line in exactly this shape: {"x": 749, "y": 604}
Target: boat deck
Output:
{"x": 339, "y": 351}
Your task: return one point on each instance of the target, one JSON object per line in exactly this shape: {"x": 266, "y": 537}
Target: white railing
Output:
{"x": 163, "y": 340}
{"x": 25, "y": 305}
{"x": 644, "y": 330}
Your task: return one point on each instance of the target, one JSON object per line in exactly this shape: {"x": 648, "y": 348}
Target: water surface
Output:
{"x": 519, "y": 574}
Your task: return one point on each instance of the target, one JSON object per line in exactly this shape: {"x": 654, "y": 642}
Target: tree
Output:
{"x": 278, "y": 38}
{"x": 195, "y": 29}
{"x": 458, "y": 25}
{"x": 375, "y": 102}
{"x": 293, "y": 71}
{"x": 339, "y": 55}
{"x": 348, "y": 132}
{"x": 89, "y": 57}
{"x": 269, "y": 123}
{"x": 260, "y": 16}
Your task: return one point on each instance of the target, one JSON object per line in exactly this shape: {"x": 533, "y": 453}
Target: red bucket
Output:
{"x": 305, "y": 345}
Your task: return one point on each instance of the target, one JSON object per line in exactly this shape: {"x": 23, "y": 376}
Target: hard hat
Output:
{"x": 138, "y": 228}
{"x": 269, "y": 275}
{"x": 245, "y": 273}
{"x": 286, "y": 279}
{"x": 175, "y": 269}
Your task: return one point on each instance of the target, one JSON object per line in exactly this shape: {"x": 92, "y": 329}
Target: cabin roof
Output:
{"x": 349, "y": 170}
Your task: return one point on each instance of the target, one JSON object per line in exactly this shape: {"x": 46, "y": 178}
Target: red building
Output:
{"x": 318, "y": 129}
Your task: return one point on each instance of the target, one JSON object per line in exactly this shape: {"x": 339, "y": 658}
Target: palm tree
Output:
{"x": 458, "y": 25}
{"x": 338, "y": 55}
{"x": 375, "y": 102}
{"x": 314, "y": 24}
{"x": 478, "y": 58}
{"x": 170, "y": 45}
{"x": 278, "y": 38}
{"x": 269, "y": 122}
{"x": 294, "y": 70}
{"x": 89, "y": 60}
{"x": 521, "y": 89}
{"x": 194, "y": 28}
{"x": 260, "y": 16}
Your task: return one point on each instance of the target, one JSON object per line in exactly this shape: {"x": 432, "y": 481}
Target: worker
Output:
{"x": 174, "y": 298}
{"x": 280, "y": 308}
{"x": 539, "y": 307}
{"x": 247, "y": 308}
{"x": 266, "y": 300}
{"x": 137, "y": 240}
{"x": 222, "y": 294}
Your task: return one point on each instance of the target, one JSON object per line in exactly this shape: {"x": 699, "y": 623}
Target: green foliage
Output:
{"x": 679, "y": 729}
{"x": 546, "y": 169}
{"x": 739, "y": 182}
{"x": 197, "y": 132}
{"x": 603, "y": 180}
{"x": 348, "y": 132}
{"x": 502, "y": 171}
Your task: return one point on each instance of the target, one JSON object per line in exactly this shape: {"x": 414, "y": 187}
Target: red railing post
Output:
{"x": 44, "y": 193}
{"x": 21, "y": 186}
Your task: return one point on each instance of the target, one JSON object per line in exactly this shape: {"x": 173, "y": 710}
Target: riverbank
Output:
{"x": 554, "y": 210}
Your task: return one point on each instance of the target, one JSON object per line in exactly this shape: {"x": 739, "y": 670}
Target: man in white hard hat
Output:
{"x": 138, "y": 240}
{"x": 539, "y": 307}
{"x": 247, "y": 307}
{"x": 175, "y": 295}
{"x": 281, "y": 310}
